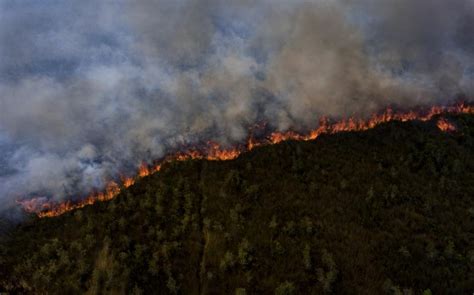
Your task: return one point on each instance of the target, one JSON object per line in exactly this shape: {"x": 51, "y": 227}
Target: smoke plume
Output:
{"x": 89, "y": 89}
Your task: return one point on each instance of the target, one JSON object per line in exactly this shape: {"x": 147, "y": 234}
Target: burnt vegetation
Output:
{"x": 384, "y": 211}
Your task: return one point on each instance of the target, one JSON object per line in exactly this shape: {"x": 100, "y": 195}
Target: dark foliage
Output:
{"x": 389, "y": 210}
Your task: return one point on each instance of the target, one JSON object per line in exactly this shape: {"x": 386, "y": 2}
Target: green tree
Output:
{"x": 285, "y": 288}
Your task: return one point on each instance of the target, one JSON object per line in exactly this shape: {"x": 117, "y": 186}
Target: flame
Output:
{"x": 445, "y": 125}
{"x": 214, "y": 152}
{"x": 128, "y": 181}
{"x": 143, "y": 170}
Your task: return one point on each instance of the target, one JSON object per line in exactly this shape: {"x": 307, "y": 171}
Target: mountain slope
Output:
{"x": 383, "y": 210}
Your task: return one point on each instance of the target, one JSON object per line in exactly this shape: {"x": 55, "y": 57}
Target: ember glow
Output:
{"x": 214, "y": 152}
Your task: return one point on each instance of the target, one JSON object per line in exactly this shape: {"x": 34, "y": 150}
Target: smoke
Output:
{"x": 90, "y": 89}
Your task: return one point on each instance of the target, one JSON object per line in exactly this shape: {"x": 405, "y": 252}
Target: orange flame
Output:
{"x": 143, "y": 170}
{"x": 128, "y": 181}
{"x": 445, "y": 125}
{"x": 215, "y": 152}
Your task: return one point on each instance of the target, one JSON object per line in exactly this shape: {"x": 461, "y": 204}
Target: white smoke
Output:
{"x": 90, "y": 89}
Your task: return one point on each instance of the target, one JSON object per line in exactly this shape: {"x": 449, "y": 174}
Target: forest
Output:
{"x": 384, "y": 211}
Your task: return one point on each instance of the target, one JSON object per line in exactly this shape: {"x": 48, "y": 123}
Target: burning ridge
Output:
{"x": 212, "y": 151}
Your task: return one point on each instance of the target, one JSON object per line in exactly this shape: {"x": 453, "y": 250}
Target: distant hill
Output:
{"x": 384, "y": 211}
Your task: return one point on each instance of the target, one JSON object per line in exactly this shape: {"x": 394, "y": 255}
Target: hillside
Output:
{"x": 383, "y": 211}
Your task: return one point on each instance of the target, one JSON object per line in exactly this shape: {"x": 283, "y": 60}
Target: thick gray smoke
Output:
{"x": 89, "y": 89}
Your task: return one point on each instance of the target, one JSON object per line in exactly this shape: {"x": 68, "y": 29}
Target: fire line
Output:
{"x": 214, "y": 152}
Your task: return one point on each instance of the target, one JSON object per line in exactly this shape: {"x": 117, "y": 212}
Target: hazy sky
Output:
{"x": 89, "y": 89}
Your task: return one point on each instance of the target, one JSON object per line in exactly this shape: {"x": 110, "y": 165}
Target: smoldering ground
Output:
{"x": 90, "y": 89}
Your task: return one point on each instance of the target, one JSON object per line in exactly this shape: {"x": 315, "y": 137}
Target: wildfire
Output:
{"x": 143, "y": 170}
{"x": 128, "y": 181}
{"x": 214, "y": 152}
{"x": 445, "y": 125}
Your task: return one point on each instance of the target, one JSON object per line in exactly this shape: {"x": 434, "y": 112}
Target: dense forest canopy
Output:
{"x": 388, "y": 210}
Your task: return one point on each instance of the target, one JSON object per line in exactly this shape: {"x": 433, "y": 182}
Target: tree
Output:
{"x": 307, "y": 256}
{"x": 244, "y": 256}
{"x": 285, "y": 288}
{"x": 327, "y": 278}
{"x": 227, "y": 262}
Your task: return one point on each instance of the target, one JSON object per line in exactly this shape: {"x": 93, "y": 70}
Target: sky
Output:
{"x": 90, "y": 89}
